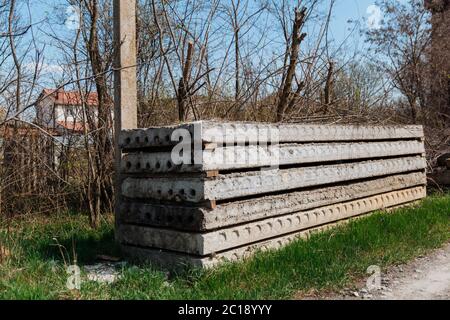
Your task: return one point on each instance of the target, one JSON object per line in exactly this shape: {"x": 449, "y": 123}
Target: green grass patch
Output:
{"x": 37, "y": 250}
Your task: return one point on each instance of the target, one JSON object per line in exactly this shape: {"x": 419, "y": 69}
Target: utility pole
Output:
{"x": 125, "y": 88}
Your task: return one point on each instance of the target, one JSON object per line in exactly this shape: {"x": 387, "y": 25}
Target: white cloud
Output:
{"x": 45, "y": 68}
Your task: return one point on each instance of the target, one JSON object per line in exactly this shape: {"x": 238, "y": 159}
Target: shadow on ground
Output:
{"x": 83, "y": 246}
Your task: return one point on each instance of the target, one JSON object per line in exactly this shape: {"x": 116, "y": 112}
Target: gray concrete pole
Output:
{"x": 125, "y": 88}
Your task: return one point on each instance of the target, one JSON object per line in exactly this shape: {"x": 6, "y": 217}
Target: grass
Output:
{"x": 33, "y": 266}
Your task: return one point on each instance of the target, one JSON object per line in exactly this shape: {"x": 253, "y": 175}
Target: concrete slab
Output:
{"x": 201, "y": 219}
{"x": 220, "y": 240}
{"x": 155, "y": 137}
{"x": 174, "y": 260}
{"x": 253, "y": 156}
{"x": 238, "y": 185}
{"x": 218, "y": 132}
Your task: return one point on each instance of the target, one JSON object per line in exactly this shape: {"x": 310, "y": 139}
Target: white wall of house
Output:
{"x": 48, "y": 114}
{"x": 72, "y": 113}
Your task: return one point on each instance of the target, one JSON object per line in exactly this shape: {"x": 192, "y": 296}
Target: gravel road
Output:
{"x": 425, "y": 278}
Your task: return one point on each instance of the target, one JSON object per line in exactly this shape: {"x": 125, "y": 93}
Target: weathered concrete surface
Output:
{"x": 201, "y": 219}
{"x": 260, "y": 216}
{"x": 217, "y": 132}
{"x": 238, "y": 157}
{"x": 237, "y": 185}
{"x": 227, "y": 238}
{"x": 125, "y": 85}
{"x": 174, "y": 260}
{"x": 156, "y": 137}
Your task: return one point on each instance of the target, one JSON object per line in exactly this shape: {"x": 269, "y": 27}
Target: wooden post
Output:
{"x": 125, "y": 88}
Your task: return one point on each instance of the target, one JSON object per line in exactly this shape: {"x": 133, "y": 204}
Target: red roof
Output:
{"x": 70, "y": 98}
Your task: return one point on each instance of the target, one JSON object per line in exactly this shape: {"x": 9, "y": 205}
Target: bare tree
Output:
{"x": 197, "y": 59}
{"x": 286, "y": 96}
{"x": 401, "y": 45}
{"x": 25, "y": 148}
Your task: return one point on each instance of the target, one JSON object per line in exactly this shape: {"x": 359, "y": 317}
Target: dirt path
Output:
{"x": 426, "y": 278}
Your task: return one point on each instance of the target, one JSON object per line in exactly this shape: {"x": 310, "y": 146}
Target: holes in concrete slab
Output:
{"x": 170, "y": 192}
{"x": 148, "y": 166}
{"x": 137, "y": 139}
{"x": 158, "y": 165}
{"x": 128, "y": 140}
{"x": 128, "y": 165}
{"x": 138, "y": 166}
{"x": 157, "y": 140}
{"x": 167, "y": 138}
{"x": 193, "y": 192}
{"x": 146, "y": 140}
{"x": 169, "y": 165}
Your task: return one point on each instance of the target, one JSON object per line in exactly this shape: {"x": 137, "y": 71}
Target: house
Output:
{"x": 63, "y": 110}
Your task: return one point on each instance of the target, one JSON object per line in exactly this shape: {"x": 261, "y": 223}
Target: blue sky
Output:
{"x": 345, "y": 10}
{"x": 56, "y": 11}
{"x": 341, "y": 29}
